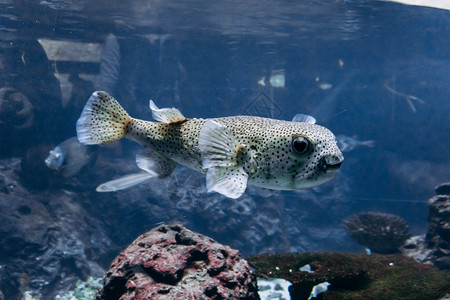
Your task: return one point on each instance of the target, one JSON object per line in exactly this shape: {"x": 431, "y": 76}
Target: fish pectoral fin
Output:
{"x": 304, "y": 118}
{"x": 155, "y": 163}
{"x": 219, "y": 150}
{"x": 230, "y": 182}
{"x": 166, "y": 115}
{"x": 217, "y": 145}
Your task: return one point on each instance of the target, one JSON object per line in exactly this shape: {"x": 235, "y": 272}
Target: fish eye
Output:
{"x": 300, "y": 145}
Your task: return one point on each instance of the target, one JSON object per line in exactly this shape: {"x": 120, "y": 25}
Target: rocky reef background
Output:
{"x": 52, "y": 238}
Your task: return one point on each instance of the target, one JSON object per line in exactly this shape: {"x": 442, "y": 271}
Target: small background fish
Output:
{"x": 347, "y": 143}
{"x": 69, "y": 157}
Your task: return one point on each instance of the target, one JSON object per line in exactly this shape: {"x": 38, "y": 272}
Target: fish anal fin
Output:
{"x": 155, "y": 163}
{"x": 166, "y": 115}
{"x": 230, "y": 182}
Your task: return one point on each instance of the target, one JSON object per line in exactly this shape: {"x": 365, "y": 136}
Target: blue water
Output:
{"x": 372, "y": 69}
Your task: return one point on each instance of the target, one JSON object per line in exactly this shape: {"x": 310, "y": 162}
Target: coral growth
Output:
{"x": 380, "y": 232}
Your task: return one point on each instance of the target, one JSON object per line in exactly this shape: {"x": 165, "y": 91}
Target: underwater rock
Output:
{"x": 416, "y": 248}
{"x": 434, "y": 246}
{"x": 30, "y": 114}
{"x": 438, "y": 234}
{"x": 354, "y": 276}
{"x": 379, "y": 232}
{"x": 273, "y": 288}
{"x": 442, "y": 189}
{"x": 48, "y": 240}
{"x": 16, "y": 110}
{"x": 43, "y": 248}
{"x": 172, "y": 262}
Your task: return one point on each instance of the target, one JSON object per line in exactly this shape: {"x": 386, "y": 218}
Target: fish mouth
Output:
{"x": 49, "y": 162}
{"x": 326, "y": 169}
{"x": 330, "y": 164}
{"x": 331, "y": 167}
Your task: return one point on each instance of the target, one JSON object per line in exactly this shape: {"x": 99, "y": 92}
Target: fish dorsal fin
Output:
{"x": 166, "y": 115}
{"x": 155, "y": 163}
{"x": 304, "y": 118}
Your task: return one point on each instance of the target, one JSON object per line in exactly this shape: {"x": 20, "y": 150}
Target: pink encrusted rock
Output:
{"x": 172, "y": 262}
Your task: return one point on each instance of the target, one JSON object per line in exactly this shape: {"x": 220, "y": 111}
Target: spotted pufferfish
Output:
{"x": 233, "y": 151}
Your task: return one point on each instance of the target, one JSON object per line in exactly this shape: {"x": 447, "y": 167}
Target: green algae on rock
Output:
{"x": 355, "y": 276}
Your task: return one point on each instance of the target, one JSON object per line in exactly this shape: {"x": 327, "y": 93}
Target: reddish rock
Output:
{"x": 172, "y": 262}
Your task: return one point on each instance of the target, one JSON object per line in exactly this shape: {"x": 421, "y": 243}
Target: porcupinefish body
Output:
{"x": 233, "y": 151}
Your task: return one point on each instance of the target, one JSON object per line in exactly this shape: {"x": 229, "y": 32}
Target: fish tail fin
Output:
{"x": 103, "y": 120}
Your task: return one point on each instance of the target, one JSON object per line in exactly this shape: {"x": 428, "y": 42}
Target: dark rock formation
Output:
{"x": 434, "y": 247}
{"x": 380, "y": 232}
{"x": 172, "y": 262}
{"x": 47, "y": 241}
{"x": 442, "y": 189}
{"x": 438, "y": 234}
{"x": 354, "y": 276}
